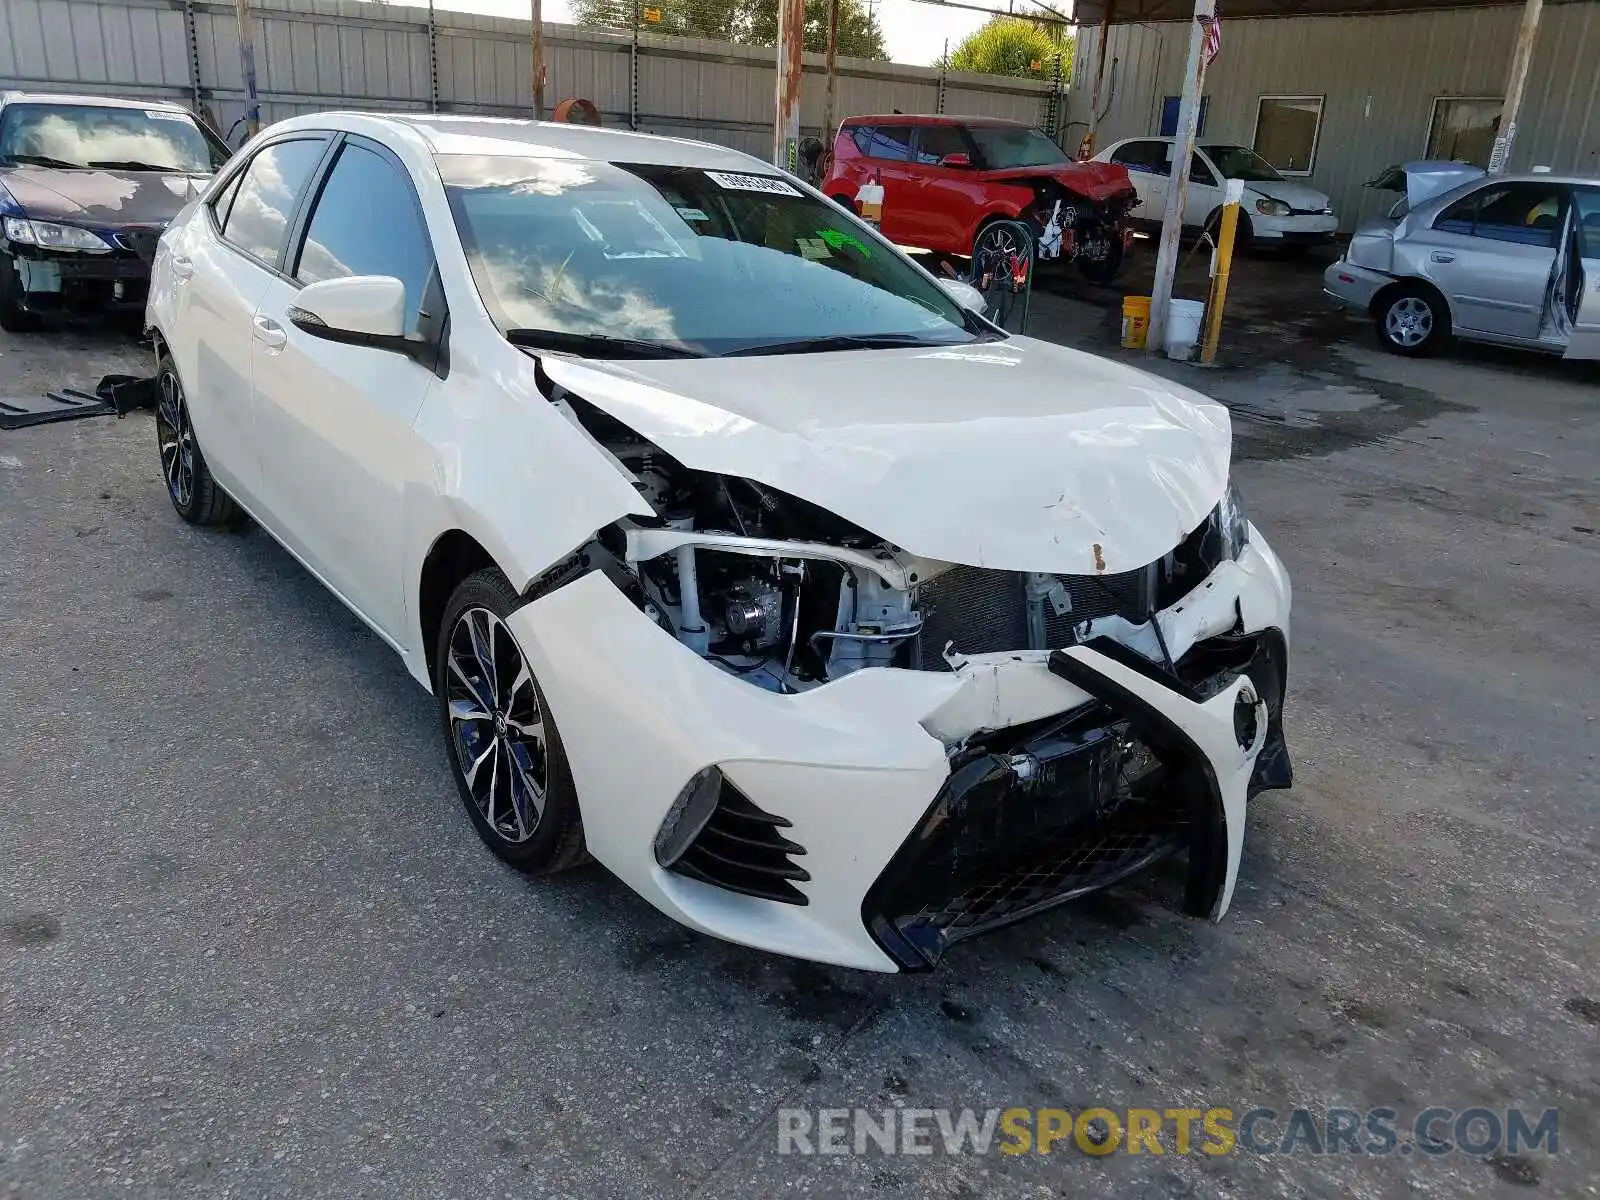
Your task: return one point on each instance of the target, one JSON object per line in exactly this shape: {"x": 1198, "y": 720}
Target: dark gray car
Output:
{"x": 1510, "y": 259}
{"x": 87, "y": 184}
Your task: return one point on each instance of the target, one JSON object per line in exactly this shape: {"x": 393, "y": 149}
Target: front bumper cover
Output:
{"x": 858, "y": 769}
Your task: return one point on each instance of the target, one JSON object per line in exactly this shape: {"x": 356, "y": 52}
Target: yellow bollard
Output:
{"x": 1219, "y": 272}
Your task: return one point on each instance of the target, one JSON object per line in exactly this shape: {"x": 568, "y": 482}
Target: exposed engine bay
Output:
{"x": 787, "y": 596}
{"x": 1073, "y": 227}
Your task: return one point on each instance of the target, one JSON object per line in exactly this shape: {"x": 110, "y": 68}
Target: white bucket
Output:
{"x": 1183, "y": 327}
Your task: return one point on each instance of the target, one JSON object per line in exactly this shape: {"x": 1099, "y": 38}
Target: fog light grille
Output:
{"x": 718, "y": 835}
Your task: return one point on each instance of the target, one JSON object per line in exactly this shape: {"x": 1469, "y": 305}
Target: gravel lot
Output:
{"x": 252, "y": 947}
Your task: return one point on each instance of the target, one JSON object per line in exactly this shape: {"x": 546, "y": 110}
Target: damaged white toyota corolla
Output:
{"x": 737, "y": 552}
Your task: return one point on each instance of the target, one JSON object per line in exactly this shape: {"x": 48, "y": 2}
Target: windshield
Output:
{"x": 1240, "y": 162}
{"x": 681, "y": 259}
{"x": 97, "y": 135}
{"x": 1003, "y": 146}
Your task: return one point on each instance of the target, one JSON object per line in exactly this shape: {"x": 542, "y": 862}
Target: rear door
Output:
{"x": 887, "y": 149}
{"x": 1584, "y": 293}
{"x": 1492, "y": 253}
{"x": 221, "y": 266}
{"x": 947, "y": 201}
{"x": 335, "y": 420}
{"x": 1148, "y": 171}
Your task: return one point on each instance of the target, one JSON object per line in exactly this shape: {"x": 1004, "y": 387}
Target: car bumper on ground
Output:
{"x": 1300, "y": 230}
{"x": 902, "y": 810}
{"x": 1352, "y": 286}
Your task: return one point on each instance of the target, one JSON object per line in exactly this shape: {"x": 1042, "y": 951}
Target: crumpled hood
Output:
{"x": 1296, "y": 195}
{"x": 106, "y": 199}
{"x": 1017, "y": 455}
{"x": 1096, "y": 181}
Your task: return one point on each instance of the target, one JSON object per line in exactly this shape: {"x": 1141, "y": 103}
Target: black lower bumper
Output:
{"x": 82, "y": 283}
{"x": 1039, "y": 816}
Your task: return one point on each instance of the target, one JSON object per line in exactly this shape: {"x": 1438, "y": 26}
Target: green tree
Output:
{"x": 1015, "y": 46}
{"x": 746, "y": 22}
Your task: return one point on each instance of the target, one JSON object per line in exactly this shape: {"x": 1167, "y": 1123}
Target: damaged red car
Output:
{"x": 948, "y": 181}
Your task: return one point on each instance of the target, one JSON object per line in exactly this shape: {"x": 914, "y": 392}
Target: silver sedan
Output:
{"x": 1510, "y": 259}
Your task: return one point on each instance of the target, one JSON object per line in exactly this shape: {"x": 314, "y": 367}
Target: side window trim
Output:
{"x": 313, "y": 181}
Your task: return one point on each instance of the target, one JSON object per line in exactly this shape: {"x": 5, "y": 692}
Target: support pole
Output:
{"x": 1099, "y": 76}
{"x": 433, "y": 61}
{"x": 1232, "y": 193}
{"x": 1521, "y": 56}
{"x": 633, "y": 72}
{"x": 1194, "y": 80}
{"x": 247, "y": 68}
{"x": 538, "y": 59}
{"x": 791, "y": 64}
{"x": 830, "y": 101}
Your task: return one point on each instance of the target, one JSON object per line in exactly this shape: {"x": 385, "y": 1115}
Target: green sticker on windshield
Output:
{"x": 839, "y": 239}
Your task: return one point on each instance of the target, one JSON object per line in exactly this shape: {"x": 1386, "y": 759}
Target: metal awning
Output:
{"x": 1092, "y": 12}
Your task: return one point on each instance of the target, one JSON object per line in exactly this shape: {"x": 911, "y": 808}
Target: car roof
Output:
{"x": 443, "y": 133}
{"x": 932, "y": 119}
{"x": 16, "y": 97}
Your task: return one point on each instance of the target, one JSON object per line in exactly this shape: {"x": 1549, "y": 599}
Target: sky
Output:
{"x": 915, "y": 33}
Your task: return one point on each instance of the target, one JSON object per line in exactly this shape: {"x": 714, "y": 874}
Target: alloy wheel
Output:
{"x": 1409, "y": 321}
{"x": 497, "y": 728}
{"x": 175, "y": 436}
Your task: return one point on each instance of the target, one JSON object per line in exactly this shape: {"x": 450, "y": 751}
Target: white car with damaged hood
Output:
{"x": 737, "y": 551}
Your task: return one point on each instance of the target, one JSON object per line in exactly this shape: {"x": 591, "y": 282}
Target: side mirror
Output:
{"x": 964, "y": 294}
{"x": 362, "y": 310}
{"x": 956, "y": 160}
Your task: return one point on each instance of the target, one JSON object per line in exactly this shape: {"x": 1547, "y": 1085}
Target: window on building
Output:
{"x": 1286, "y": 132}
{"x": 1463, "y": 129}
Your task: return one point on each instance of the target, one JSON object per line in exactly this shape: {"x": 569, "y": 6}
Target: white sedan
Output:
{"x": 739, "y": 553}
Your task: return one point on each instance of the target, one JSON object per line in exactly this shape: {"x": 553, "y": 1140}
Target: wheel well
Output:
{"x": 1388, "y": 291}
{"x": 454, "y": 556}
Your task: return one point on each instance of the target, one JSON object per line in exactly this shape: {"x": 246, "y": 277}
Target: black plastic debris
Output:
{"x": 118, "y": 394}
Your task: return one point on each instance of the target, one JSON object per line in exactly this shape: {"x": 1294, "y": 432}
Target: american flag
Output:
{"x": 1212, "y": 34}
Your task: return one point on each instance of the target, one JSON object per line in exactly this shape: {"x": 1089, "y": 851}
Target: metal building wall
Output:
{"x": 1379, "y": 75}
{"x": 321, "y": 54}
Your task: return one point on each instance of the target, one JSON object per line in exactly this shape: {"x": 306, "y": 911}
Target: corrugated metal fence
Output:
{"x": 321, "y": 54}
{"x": 1379, "y": 77}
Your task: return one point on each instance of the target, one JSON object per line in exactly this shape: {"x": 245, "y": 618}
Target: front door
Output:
{"x": 1492, "y": 253}
{"x": 948, "y": 200}
{"x": 1205, "y": 192}
{"x": 335, "y": 420}
{"x": 1584, "y": 294}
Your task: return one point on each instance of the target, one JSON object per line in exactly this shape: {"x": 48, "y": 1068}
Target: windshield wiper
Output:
{"x": 842, "y": 341}
{"x": 133, "y": 164}
{"x": 598, "y": 345}
{"x": 39, "y": 160}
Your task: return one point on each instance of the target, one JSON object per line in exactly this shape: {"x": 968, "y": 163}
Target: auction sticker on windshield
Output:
{"x": 751, "y": 183}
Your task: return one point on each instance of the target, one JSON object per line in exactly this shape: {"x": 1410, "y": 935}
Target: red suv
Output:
{"x": 946, "y": 179}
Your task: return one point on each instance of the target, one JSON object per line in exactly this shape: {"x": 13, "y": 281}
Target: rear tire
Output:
{"x": 1411, "y": 319}
{"x": 13, "y": 317}
{"x": 193, "y": 492}
{"x": 510, "y": 768}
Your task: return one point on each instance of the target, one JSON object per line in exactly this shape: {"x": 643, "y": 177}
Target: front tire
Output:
{"x": 1411, "y": 320}
{"x": 193, "y": 492}
{"x": 505, "y": 753}
{"x": 1103, "y": 270}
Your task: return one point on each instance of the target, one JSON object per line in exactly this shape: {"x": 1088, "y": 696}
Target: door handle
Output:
{"x": 182, "y": 267}
{"x": 1439, "y": 256}
{"x": 269, "y": 333}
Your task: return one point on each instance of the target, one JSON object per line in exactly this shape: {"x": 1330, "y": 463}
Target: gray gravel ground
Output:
{"x": 252, "y": 947}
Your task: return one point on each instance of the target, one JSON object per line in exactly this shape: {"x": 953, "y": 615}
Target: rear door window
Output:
{"x": 257, "y": 221}
{"x": 891, "y": 143}
{"x": 1147, "y": 158}
{"x": 1526, "y": 213}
